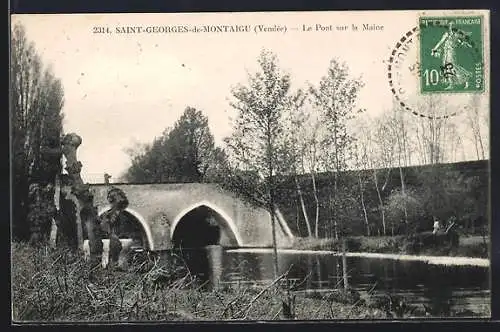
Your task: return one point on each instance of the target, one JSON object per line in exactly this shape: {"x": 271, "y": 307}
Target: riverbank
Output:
{"x": 468, "y": 246}
{"x": 57, "y": 285}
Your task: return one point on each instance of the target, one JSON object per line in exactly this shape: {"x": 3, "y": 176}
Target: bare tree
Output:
{"x": 335, "y": 99}
{"x": 438, "y": 138}
{"x": 294, "y": 145}
{"x": 36, "y": 101}
{"x": 385, "y": 148}
{"x": 431, "y": 130}
{"x": 473, "y": 116}
{"x": 258, "y": 127}
{"x": 401, "y": 134}
{"x": 360, "y": 157}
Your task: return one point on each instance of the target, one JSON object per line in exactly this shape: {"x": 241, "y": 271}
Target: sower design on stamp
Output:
{"x": 451, "y": 54}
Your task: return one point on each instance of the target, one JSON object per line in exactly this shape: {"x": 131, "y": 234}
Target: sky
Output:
{"x": 123, "y": 89}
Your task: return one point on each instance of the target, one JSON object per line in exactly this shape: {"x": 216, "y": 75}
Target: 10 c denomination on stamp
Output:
{"x": 451, "y": 54}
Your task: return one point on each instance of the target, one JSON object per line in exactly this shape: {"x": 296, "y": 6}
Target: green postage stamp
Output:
{"x": 451, "y": 54}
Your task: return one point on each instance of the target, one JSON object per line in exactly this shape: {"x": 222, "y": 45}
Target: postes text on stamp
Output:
{"x": 451, "y": 54}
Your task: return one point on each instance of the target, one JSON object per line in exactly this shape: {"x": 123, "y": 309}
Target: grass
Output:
{"x": 57, "y": 285}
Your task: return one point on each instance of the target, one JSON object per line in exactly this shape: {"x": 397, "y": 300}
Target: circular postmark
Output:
{"x": 408, "y": 77}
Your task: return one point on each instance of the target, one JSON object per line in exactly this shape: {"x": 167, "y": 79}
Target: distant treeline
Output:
{"x": 458, "y": 191}
{"x": 380, "y": 201}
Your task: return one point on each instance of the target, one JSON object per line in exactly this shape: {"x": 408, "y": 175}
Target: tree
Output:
{"x": 410, "y": 216}
{"x": 394, "y": 146}
{"x": 400, "y": 132}
{"x": 473, "y": 116}
{"x": 36, "y": 101}
{"x": 258, "y": 129}
{"x": 374, "y": 151}
{"x": 299, "y": 146}
{"x": 184, "y": 153}
{"x": 433, "y": 133}
{"x": 360, "y": 156}
{"x": 335, "y": 99}
{"x": 384, "y": 150}
{"x": 190, "y": 147}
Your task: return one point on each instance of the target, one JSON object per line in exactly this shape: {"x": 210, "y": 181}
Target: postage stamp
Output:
{"x": 451, "y": 54}
{"x": 441, "y": 56}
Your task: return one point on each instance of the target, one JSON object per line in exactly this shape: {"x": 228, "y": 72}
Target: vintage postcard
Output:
{"x": 250, "y": 166}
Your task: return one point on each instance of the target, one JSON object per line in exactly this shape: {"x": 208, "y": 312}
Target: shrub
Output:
{"x": 353, "y": 244}
{"x": 396, "y": 212}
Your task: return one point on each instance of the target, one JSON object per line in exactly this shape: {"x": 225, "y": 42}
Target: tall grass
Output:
{"x": 58, "y": 285}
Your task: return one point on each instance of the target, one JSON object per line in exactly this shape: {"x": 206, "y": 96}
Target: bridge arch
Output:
{"x": 141, "y": 220}
{"x": 226, "y": 218}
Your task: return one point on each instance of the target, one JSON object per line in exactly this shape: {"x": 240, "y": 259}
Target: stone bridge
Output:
{"x": 177, "y": 213}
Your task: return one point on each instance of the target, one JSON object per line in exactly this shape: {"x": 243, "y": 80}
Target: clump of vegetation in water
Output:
{"x": 426, "y": 244}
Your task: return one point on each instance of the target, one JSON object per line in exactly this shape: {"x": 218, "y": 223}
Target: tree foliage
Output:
{"x": 335, "y": 99}
{"x": 254, "y": 144}
{"x": 184, "y": 153}
{"x": 405, "y": 212}
{"x": 36, "y": 101}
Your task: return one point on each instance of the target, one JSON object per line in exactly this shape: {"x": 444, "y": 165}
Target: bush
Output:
{"x": 353, "y": 244}
{"x": 396, "y": 213}
{"x": 411, "y": 244}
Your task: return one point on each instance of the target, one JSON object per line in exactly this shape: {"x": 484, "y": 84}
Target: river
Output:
{"x": 440, "y": 285}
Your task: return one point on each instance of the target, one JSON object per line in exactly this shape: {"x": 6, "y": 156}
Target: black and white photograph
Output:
{"x": 250, "y": 166}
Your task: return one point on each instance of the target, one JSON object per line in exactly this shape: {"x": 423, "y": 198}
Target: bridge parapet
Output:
{"x": 160, "y": 208}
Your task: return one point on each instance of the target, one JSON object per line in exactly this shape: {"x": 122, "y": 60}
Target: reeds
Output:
{"x": 57, "y": 285}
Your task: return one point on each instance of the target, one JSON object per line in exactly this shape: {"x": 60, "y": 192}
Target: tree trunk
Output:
{"x": 297, "y": 219}
{"x": 400, "y": 136}
{"x": 481, "y": 144}
{"x": 381, "y": 203}
{"x": 57, "y": 195}
{"x": 363, "y": 205}
{"x": 335, "y": 225}
{"x": 331, "y": 216}
{"x": 403, "y": 191}
{"x": 344, "y": 265}
{"x": 273, "y": 222}
{"x": 85, "y": 208}
{"x": 316, "y": 201}
{"x": 303, "y": 206}
{"x": 270, "y": 190}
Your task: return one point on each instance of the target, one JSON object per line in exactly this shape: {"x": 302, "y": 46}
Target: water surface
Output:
{"x": 442, "y": 287}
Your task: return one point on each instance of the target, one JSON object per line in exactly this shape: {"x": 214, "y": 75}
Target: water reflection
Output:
{"x": 437, "y": 289}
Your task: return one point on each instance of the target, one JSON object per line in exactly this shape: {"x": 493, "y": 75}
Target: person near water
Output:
{"x": 437, "y": 225}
